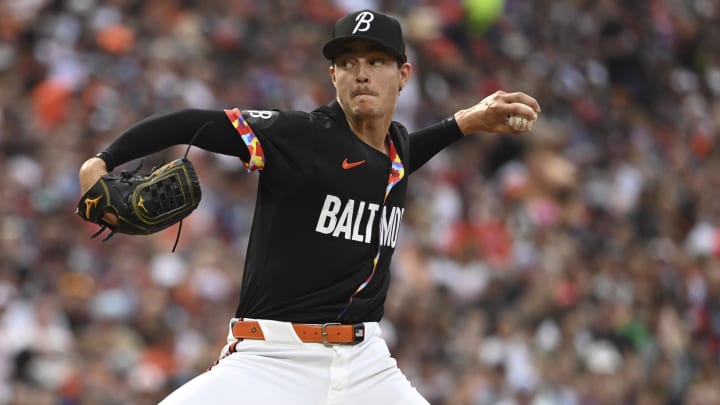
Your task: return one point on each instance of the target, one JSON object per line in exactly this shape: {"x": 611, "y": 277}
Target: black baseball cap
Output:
{"x": 369, "y": 25}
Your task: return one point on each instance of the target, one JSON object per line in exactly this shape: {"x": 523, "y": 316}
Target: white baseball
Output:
{"x": 519, "y": 123}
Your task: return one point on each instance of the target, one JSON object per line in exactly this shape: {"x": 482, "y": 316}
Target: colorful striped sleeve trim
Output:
{"x": 257, "y": 157}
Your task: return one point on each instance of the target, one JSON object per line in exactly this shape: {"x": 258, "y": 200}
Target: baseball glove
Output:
{"x": 144, "y": 204}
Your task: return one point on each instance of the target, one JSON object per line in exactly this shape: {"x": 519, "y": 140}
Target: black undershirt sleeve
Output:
{"x": 161, "y": 131}
{"x": 427, "y": 142}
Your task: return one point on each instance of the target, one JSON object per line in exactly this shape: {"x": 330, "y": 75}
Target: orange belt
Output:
{"x": 326, "y": 333}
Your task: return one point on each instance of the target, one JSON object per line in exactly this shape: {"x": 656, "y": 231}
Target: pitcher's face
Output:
{"x": 367, "y": 79}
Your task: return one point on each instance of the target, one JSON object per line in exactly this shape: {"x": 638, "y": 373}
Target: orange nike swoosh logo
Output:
{"x": 348, "y": 165}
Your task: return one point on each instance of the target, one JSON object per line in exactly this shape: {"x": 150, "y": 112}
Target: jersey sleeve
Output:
{"x": 280, "y": 143}
{"x": 161, "y": 131}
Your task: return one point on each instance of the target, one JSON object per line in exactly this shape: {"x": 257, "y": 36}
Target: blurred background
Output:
{"x": 577, "y": 265}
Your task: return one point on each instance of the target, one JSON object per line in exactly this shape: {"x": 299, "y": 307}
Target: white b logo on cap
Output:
{"x": 363, "y": 21}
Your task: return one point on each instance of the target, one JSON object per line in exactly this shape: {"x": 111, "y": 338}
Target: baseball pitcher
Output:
{"x": 331, "y": 198}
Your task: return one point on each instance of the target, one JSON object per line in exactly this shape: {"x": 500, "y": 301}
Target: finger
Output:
{"x": 520, "y": 97}
{"x": 522, "y": 110}
{"x": 519, "y": 124}
{"x": 110, "y": 217}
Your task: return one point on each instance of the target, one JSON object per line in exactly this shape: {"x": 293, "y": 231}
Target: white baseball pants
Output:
{"x": 283, "y": 370}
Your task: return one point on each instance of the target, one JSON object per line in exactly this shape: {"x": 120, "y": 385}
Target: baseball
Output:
{"x": 519, "y": 123}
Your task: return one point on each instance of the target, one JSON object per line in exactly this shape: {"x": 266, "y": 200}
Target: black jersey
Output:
{"x": 327, "y": 217}
{"x": 328, "y": 209}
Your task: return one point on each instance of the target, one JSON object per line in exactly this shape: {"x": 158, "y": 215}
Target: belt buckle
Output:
{"x": 324, "y": 333}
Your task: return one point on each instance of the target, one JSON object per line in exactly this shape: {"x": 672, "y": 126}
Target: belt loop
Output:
{"x": 358, "y": 333}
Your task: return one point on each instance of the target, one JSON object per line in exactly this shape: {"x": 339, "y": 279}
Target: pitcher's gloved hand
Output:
{"x": 143, "y": 204}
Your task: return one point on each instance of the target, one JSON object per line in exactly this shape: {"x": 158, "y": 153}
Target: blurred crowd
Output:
{"x": 577, "y": 265}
